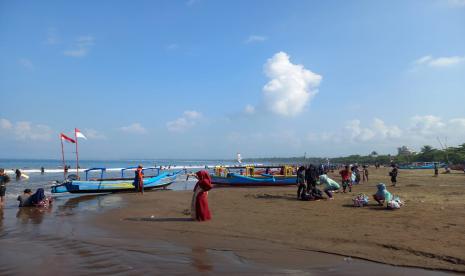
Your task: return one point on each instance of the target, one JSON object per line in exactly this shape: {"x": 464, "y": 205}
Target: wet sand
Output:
{"x": 268, "y": 226}
{"x": 254, "y": 231}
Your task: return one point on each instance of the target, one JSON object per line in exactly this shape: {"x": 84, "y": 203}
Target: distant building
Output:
{"x": 405, "y": 151}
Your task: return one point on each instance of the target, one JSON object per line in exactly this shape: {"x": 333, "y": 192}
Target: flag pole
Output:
{"x": 77, "y": 154}
{"x": 63, "y": 157}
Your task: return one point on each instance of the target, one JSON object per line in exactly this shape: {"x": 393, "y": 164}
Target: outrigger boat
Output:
{"x": 249, "y": 176}
{"x": 114, "y": 185}
{"x": 422, "y": 166}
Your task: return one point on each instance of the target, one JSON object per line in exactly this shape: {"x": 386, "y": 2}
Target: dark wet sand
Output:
{"x": 254, "y": 231}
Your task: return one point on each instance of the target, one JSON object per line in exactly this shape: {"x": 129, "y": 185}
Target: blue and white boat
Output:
{"x": 114, "y": 185}
{"x": 251, "y": 177}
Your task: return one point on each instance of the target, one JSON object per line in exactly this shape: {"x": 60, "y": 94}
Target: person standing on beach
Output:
{"x": 199, "y": 204}
{"x": 139, "y": 179}
{"x": 42, "y": 170}
{"x": 365, "y": 173}
{"x": 393, "y": 175}
{"x": 436, "y": 170}
{"x": 3, "y": 180}
{"x": 346, "y": 181}
{"x": 301, "y": 182}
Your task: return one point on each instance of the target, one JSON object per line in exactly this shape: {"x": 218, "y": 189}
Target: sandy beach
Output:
{"x": 268, "y": 225}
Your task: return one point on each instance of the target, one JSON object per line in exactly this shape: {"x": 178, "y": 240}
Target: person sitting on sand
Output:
{"x": 330, "y": 185}
{"x": 25, "y": 198}
{"x": 199, "y": 205}
{"x": 38, "y": 199}
{"x": 301, "y": 182}
{"x": 382, "y": 195}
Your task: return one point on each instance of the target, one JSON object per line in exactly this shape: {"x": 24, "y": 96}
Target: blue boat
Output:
{"x": 114, "y": 185}
{"x": 248, "y": 178}
{"x": 422, "y": 166}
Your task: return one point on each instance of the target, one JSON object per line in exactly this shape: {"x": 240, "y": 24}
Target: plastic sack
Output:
{"x": 360, "y": 200}
{"x": 395, "y": 203}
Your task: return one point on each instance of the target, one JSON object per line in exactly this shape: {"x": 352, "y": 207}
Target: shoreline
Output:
{"x": 415, "y": 236}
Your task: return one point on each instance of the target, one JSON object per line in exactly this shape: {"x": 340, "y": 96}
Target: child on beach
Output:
{"x": 330, "y": 185}
{"x": 382, "y": 195}
{"x": 345, "y": 174}
{"x": 393, "y": 175}
{"x": 365, "y": 173}
{"x": 4, "y": 178}
{"x": 25, "y": 198}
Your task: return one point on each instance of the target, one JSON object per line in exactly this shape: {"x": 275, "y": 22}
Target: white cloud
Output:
{"x": 26, "y": 63}
{"x": 426, "y": 125}
{"x": 81, "y": 47}
{"x": 172, "y": 46}
{"x": 52, "y": 37}
{"x": 440, "y": 61}
{"x": 187, "y": 121}
{"x": 94, "y": 134}
{"x": 255, "y": 38}
{"x": 191, "y": 2}
{"x": 291, "y": 86}
{"x": 357, "y": 132}
{"x": 25, "y": 130}
{"x": 135, "y": 128}
{"x": 458, "y": 3}
{"x": 249, "y": 109}
{"x": 5, "y": 124}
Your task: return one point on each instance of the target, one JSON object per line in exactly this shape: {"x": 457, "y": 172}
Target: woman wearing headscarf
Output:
{"x": 38, "y": 199}
{"x": 199, "y": 205}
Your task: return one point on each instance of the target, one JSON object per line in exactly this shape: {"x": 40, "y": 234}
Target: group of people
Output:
{"x": 37, "y": 199}
{"x": 27, "y": 199}
{"x": 308, "y": 178}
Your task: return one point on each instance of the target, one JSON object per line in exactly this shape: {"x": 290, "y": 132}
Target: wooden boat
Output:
{"x": 248, "y": 178}
{"x": 422, "y": 166}
{"x": 114, "y": 185}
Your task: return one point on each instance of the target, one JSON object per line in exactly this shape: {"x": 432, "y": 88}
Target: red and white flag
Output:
{"x": 79, "y": 134}
{"x": 66, "y": 138}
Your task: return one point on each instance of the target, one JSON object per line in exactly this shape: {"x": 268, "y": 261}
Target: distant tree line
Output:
{"x": 451, "y": 155}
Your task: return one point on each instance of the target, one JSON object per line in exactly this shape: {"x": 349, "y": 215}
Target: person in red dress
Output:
{"x": 199, "y": 205}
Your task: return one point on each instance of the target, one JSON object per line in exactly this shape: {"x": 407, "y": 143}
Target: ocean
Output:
{"x": 54, "y": 172}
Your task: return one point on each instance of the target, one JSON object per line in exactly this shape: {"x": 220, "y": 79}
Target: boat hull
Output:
{"x": 237, "y": 180}
{"x": 113, "y": 186}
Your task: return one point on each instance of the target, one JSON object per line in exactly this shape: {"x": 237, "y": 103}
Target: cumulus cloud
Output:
{"x": 135, "y": 128}
{"x": 249, "y": 109}
{"x": 81, "y": 47}
{"x": 5, "y": 124}
{"x": 440, "y": 61}
{"x": 291, "y": 86}
{"x": 94, "y": 134}
{"x": 26, "y": 63}
{"x": 255, "y": 39}
{"x": 185, "y": 122}
{"x": 25, "y": 130}
{"x": 458, "y": 3}
{"x": 52, "y": 37}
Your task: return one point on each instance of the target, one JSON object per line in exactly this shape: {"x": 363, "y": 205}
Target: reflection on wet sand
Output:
{"x": 200, "y": 259}
{"x": 32, "y": 215}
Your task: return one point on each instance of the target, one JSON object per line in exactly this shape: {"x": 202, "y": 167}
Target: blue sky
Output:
{"x": 207, "y": 79}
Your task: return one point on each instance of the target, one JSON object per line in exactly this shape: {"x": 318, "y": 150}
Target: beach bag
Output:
{"x": 360, "y": 200}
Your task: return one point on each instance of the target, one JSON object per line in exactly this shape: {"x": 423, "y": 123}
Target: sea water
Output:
{"x": 54, "y": 172}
